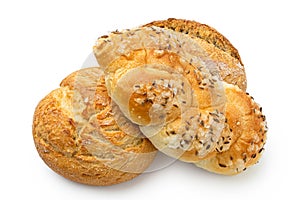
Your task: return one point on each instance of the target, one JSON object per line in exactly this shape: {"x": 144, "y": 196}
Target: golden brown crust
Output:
{"x": 161, "y": 80}
{"x": 201, "y": 31}
{"x": 140, "y": 102}
{"x": 76, "y": 134}
{"x": 218, "y": 48}
{"x": 244, "y": 143}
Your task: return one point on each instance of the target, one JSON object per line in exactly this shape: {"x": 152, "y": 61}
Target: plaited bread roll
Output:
{"x": 180, "y": 106}
{"x": 232, "y": 155}
{"x": 218, "y": 48}
{"x": 82, "y": 135}
{"x": 243, "y": 138}
{"x": 165, "y": 82}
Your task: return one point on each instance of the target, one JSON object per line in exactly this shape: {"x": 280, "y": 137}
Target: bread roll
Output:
{"x": 164, "y": 81}
{"x": 243, "y": 138}
{"x": 81, "y": 134}
{"x": 182, "y": 107}
{"x": 218, "y": 48}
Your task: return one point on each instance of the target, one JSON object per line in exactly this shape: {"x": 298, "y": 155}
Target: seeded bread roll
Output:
{"x": 164, "y": 81}
{"x": 179, "y": 105}
{"x": 243, "y": 137}
{"x": 218, "y": 48}
{"x": 83, "y": 136}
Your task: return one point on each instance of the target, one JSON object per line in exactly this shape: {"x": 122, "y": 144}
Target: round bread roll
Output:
{"x": 83, "y": 136}
{"x": 243, "y": 139}
{"x": 166, "y": 83}
{"x": 218, "y": 48}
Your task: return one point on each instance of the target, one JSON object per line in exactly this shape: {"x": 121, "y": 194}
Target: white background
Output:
{"x": 43, "y": 41}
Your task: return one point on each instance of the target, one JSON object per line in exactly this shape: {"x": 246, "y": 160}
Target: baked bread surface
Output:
{"x": 83, "y": 136}
{"x": 162, "y": 80}
{"x": 242, "y": 141}
{"x": 217, "y": 46}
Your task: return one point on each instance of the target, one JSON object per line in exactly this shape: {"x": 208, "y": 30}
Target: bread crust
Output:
{"x": 76, "y": 134}
{"x": 242, "y": 141}
{"x": 201, "y": 31}
{"x": 217, "y": 46}
{"x": 160, "y": 79}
